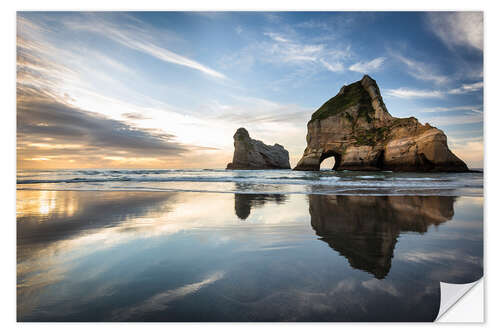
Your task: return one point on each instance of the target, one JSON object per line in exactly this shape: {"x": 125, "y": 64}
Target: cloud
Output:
{"x": 169, "y": 56}
{"x": 276, "y": 37}
{"x": 458, "y": 28}
{"x": 133, "y": 37}
{"x": 70, "y": 79}
{"x": 471, "y": 151}
{"x": 473, "y": 108}
{"x": 467, "y": 88}
{"x": 135, "y": 116}
{"x": 288, "y": 49}
{"x": 418, "y": 93}
{"x": 60, "y": 75}
{"x": 420, "y": 70}
{"x": 333, "y": 67}
{"x": 334, "y": 25}
{"x": 473, "y": 118}
{"x": 314, "y": 24}
{"x": 54, "y": 129}
{"x": 303, "y": 58}
{"x": 110, "y": 62}
{"x": 368, "y": 66}
{"x": 246, "y": 109}
{"x": 60, "y": 68}
{"x": 414, "y": 93}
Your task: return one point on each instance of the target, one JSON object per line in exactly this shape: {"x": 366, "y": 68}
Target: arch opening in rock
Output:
{"x": 379, "y": 164}
{"x": 327, "y": 156}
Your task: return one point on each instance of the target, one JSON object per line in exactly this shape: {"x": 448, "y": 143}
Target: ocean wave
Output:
{"x": 296, "y": 181}
{"x": 292, "y": 181}
{"x": 305, "y": 191}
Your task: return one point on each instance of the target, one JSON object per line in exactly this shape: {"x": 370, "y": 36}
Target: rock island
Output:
{"x": 356, "y": 128}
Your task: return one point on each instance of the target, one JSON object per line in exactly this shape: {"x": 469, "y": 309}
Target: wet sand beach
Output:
{"x": 188, "y": 256}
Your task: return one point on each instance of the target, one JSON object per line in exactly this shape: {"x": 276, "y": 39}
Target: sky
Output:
{"x": 169, "y": 89}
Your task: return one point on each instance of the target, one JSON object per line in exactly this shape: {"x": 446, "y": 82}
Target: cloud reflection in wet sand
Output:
{"x": 58, "y": 228}
{"x": 154, "y": 256}
{"x": 161, "y": 300}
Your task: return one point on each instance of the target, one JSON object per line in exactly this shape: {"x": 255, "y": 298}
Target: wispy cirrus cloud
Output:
{"x": 414, "y": 93}
{"x": 290, "y": 49}
{"x": 287, "y": 50}
{"x": 56, "y": 128}
{"x": 422, "y": 93}
{"x": 257, "y": 110}
{"x": 466, "y": 88}
{"x": 367, "y": 66}
{"x": 314, "y": 24}
{"x": 420, "y": 70}
{"x": 467, "y": 118}
{"x": 276, "y": 37}
{"x": 458, "y": 28}
{"x": 473, "y": 108}
{"x": 72, "y": 83}
{"x": 133, "y": 36}
{"x": 333, "y": 67}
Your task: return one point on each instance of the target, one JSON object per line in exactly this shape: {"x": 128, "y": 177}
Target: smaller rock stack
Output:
{"x": 250, "y": 154}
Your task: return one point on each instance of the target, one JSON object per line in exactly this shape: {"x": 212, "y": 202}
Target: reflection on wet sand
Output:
{"x": 57, "y": 231}
{"x": 54, "y": 228}
{"x": 364, "y": 229}
{"x": 46, "y": 217}
{"x": 161, "y": 256}
{"x": 243, "y": 203}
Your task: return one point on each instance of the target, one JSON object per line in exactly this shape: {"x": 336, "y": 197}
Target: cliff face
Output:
{"x": 250, "y": 154}
{"x": 356, "y": 128}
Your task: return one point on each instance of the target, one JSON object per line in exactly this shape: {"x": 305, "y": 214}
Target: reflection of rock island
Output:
{"x": 243, "y": 203}
{"x": 364, "y": 229}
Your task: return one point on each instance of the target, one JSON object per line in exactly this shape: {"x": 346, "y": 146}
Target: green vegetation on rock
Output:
{"x": 350, "y": 95}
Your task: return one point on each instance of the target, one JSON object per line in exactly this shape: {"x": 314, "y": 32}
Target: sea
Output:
{"x": 214, "y": 245}
{"x": 255, "y": 181}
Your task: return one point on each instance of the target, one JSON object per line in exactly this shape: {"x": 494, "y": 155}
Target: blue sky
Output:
{"x": 156, "y": 89}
